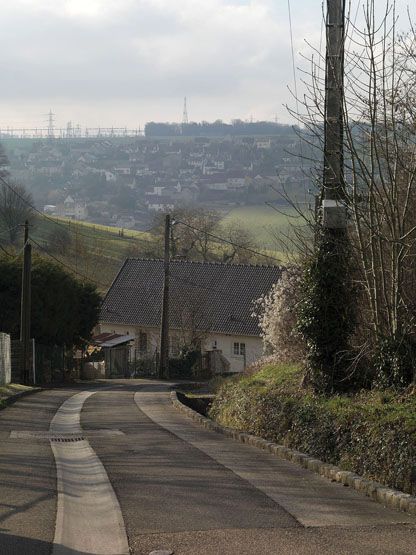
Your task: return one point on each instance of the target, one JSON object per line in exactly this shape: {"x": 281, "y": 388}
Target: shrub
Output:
{"x": 277, "y": 318}
{"x": 394, "y": 362}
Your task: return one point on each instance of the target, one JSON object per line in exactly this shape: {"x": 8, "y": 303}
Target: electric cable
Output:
{"x": 223, "y": 240}
{"x": 68, "y": 227}
{"x": 43, "y": 249}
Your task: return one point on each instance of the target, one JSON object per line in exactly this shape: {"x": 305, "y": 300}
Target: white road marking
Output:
{"x": 88, "y": 518}
{"x": 35, "y": 434}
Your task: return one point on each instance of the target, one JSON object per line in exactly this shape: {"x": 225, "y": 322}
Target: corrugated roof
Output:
{"x": 111, "y": 339}
{"x": 204, "y": 296}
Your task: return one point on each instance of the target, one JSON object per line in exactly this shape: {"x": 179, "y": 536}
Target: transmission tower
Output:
{"x": 185, "y": 119}
{"x": 51, "y": 125}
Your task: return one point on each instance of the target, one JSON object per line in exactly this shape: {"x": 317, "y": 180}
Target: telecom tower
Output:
{"x": 185, "y": 119}
{"x": 51, "y": 125}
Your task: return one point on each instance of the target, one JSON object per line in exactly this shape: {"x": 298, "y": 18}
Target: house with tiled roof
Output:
{"x": 211, "y": 305}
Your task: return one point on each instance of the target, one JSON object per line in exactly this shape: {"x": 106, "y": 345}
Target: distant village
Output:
{"x": 125, "y": 182}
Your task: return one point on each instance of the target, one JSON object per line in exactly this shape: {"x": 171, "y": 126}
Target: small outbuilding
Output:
{"x": 115, "y": 349}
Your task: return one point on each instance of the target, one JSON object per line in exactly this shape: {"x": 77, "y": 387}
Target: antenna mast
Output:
{"x": 185, "y": 119}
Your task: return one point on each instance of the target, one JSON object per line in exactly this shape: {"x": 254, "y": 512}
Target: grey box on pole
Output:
{"x": 334, "y": 214}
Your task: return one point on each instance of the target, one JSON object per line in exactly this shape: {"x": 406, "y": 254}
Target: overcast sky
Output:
{"x": 125, "y": 62}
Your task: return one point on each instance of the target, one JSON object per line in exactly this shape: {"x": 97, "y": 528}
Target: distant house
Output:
{"x": 110, "y": 177}
{"x": 73, "y": 209}
{"x": 159, "y": 203}
{"x": 50, "y": 168}
{"x": 122, "y": 170}
{"x": 156, "y": 191}
{"x": 214, "y": 183}
{"x": 49, "y": 209}
{"x": 211, "y": 305}
{"x": 264, "y": 144}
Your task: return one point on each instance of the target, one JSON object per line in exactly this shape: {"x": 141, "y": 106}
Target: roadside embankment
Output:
{"x": 12, "y": 392}
{"x": 372, "y": 434}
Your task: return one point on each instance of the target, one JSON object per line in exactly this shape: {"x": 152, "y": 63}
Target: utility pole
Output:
{"x": 25, "y": 314}
{"x": 332, "y": 301}
{"x": 164, "y": 325}
{"x": 334, "y": 212}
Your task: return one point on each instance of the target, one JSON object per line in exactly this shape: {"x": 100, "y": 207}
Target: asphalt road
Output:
{"x": 180, "y": 487}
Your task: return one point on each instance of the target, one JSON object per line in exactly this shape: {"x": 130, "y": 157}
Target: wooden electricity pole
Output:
{"x": 333, "y": 179}
{"x": 25, "y": 314}
{"x": 164, "y": 325}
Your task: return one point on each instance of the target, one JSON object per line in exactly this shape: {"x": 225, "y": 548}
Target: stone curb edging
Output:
{"x": 388, "y": 497}
{"x": 7, "y": 401}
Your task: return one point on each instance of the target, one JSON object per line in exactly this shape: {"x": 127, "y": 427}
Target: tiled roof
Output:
{"x": 203, "y": 296}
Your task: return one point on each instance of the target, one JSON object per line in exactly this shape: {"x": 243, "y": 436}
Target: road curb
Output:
{"x": 384, "y": 495}
{"x": 7, "y": 401}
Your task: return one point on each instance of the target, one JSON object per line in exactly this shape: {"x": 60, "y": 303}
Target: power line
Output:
{"x": 295, "y": 81}
{"x": 14, "y": 256}
{"x": 67, "y": 265}
{"x": 293, "y": 56}
{"x": 10, "y": 229}
{"x": 217, "y": 237}
{"x": 5, "y": 251}
{"x": 223, "y": 240}
{"x": 43, "y": 235}
{"x": 113, "y": 236}
{"x": 68, "y": 226}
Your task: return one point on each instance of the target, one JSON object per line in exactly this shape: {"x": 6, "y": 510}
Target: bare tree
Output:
{"x": 192, "y": 233}
{"x": 380, "y": 178}
{"x": 240, "y": 244}
{"x": 15, "y": 208}
{"x": 60, "y": 240}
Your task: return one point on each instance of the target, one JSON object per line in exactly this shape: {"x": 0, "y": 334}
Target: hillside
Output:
{"x": 92, "y": 251}
{"x": 96, "y": 252}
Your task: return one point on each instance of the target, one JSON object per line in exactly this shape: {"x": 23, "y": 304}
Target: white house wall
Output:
{"x": 225, "y": 344}
{"x": 218, "y": 341}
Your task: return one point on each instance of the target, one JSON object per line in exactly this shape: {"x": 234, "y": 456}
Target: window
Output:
{"x": 239, "y": 349}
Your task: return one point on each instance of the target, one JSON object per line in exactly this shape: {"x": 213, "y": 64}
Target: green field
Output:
{"x": 266, "y": 224}
{"x": 104, "y": 230}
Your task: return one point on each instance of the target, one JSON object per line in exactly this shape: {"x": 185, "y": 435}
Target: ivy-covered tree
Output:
{"x": 326, "y": 317}
{"x": 64, "y": 309}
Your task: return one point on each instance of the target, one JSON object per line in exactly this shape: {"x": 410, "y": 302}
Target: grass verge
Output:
{"x": 9, "y": 390}
{"x": 370, "y": 433}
